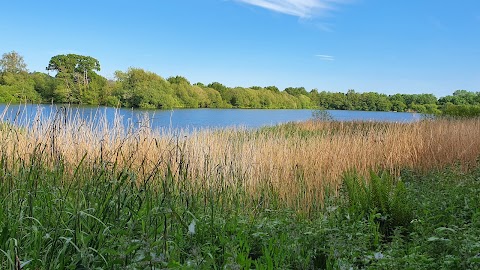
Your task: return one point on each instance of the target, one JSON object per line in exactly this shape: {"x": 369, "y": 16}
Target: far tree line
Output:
{"x": 76, "y": 82}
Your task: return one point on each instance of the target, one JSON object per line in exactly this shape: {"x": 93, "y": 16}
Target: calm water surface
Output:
{"x": 192, "y": 118}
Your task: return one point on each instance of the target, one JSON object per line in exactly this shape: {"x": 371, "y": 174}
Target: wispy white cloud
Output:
{"x": 325, "y": 57}
{"x": 298, "y": 8}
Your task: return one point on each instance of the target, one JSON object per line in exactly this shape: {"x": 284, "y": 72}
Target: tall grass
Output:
{"x": 296, "y": 161}
{"x": 78, "y": 195}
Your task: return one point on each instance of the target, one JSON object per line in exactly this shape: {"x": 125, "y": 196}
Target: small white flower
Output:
{"x": 378, "y": 255}
{"x": 191, "y": 228}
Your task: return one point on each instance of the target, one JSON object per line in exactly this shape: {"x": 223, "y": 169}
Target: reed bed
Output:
{"x": 78, "y": 194}
{"x": 298, "y": 162}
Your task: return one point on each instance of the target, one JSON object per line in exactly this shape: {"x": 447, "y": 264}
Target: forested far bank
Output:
{"x": 75, "y": 80}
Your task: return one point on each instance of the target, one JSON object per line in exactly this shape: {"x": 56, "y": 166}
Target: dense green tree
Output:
{"x": 286, "y": 101}
{"x": 97, "y": 92}
{"x": 185, "y": 93}
{"x": 44, "y": 84}
{"x": 12, "y": 62}
{"x": 419, "y": 99}
{"x": 18, "y": 87}
{"x": 76, "y": 73}
{"x": 296, "y": 91}
{"x": 425, "y": 99}
{"x": 76, "y": 81}
{"x": 178, "y": 80}
{"x": 202, "y": 97}
{"x": 243, "y": 98}
{"x": 273, "y": 89}
{"x": 383, "y": 103}
{"x": 142, "y": 89}
{"x": 267, "y": 99}
{"x": 337, "y": 101}
{"x": 461, "y": 97}
{"x": 215, "y": 98}
{"x": 398, "y": 106}
{"x": 193, "y": 96}
{"x": 315, "y": 98}
{"x": 222, "y": 89}
{"x": 352, "y": 100}
{"x": 398, "y": 102}
{"x": 432, "y": 108}
{"x": 303, "y": 102}
{"x": 218, "y": 86}
{"x": 322, "y": 99}
{"x": 461, "y": 111}
{"x": 72, "y": 63}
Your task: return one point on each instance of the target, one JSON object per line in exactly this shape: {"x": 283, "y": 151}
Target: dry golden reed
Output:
{"x": 297, "y": 161}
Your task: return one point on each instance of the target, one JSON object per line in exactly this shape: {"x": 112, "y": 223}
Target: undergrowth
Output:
{"x": 104, "y": 219}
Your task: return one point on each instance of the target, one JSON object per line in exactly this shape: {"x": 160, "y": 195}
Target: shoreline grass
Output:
{"x": 295, "y": 158}
{"x": 80, "y": 195}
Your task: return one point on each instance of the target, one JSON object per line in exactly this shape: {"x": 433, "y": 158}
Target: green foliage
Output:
{"x": 73, "y": 63}
{"x": 18, "y": 87}
{"x": 398, "y": 106}
{"x": 76, "y": 81}
{"x": 461, "y": 111}
{"x": 296, "y": 91}
{"x": 178, "y": 80}
{"x": 461, "y": 97}
{"x": 446, "y": 231}
{"x": 12, "y": 62}
{"x": 371, "y": 101}
{"x": 44, "y": 85}
{"x": 218, "y": 86}
{"x": 273, "y": 89}
{"x": 381, "y": 195}
{"x": 141, "y": 89}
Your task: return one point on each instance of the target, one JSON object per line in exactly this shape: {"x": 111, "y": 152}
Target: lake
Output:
{"x": 193, "y": 118}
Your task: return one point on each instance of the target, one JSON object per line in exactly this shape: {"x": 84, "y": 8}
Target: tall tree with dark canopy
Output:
{"x": 76, "y": 73}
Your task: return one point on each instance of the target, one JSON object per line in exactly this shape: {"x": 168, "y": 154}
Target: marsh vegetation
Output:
{"x": 311, "y": 195}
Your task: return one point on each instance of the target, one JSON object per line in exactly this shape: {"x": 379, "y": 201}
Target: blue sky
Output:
{"x": 421, "y": 46}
